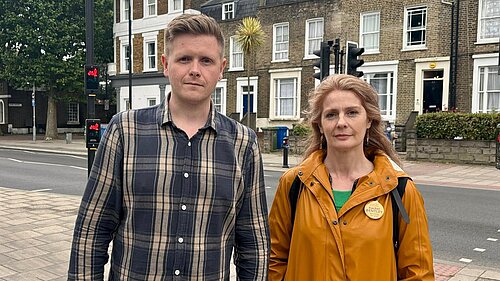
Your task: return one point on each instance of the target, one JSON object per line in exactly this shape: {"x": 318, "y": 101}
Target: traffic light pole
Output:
{"x": 89, "y": 46}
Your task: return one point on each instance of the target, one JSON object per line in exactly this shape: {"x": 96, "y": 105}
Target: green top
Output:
{"x": 340, "y": 197}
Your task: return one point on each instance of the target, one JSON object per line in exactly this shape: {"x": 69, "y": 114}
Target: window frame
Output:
{"x": 388, "y": 95}
{"x": 147, "y": 5}
{"x": 482, "y": 95}
{"x": 226, "y": 11}
{"x": 480, "y": 38}
{"x": 222, "y": 84}
{"x": 149, "y": 100}
{"x": 308, "y": 39}
{"x": 123, "y": 58}
{"x": 232, "y": 67}
{"x": 171, "y": 3}
{"x": 287, "y": 42}
{"x": 76, "y": 106}
{"x": 407, "y": 47}
{"x": 362, "y": 33}
{"x": 124, "y": 9}
{"x": 146, "y": 56}
{"x": 295, "y": 73}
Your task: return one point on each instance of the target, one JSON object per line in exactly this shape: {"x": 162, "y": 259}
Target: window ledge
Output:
{"x": 486, "y": 41}
{"x": 311, "y": 57}
{"x": 374, "y": 52}
{"x": 408, "y": 49}
{"x": 235, "y": 69}
{"x": 273, "y": 61}
{"x": 149, "y": 70}
{"x": 73, "y": 123}
{"x": 294, "y": 118}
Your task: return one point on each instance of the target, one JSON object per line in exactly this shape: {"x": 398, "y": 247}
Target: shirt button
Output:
{"x": 177, "y": 272}
{"x": 180, "y": 240}
{"x": 345, "y": 222}
{"x": 334, "y": 222}
{"x": 183, "y": 207}
{"x": 189, "y": 143}
{"x": 186, "y": 175}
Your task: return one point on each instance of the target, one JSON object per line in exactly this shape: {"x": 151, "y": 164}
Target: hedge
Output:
{"x": 467, "y": 126}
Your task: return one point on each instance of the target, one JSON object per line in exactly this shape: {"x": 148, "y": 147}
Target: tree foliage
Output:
{"x": 43, "y": 44}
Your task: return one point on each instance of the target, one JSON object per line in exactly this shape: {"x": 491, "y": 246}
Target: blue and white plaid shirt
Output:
{"x": 174, "y": 207}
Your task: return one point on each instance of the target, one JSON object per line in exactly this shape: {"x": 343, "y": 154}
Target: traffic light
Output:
{"x": 353, "y": 62}
{"x": 91, "y": 79}
{"x": 93, "y": 133}
{"x": 324, "y": 61}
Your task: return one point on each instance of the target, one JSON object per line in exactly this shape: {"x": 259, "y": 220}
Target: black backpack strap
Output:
{"x": 293, "y": 195}
{"x": 397, "y": 207}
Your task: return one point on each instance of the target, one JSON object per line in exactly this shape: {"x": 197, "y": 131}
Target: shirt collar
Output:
{"x": 164, "y": 115}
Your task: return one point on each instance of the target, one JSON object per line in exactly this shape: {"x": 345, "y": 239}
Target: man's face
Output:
{"x": 193, "y": 65}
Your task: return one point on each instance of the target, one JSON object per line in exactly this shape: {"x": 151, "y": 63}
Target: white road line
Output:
{"x": 492, "y": 239}
{"x": 41, "y": 190}
{"x": 479, "y": 250}
{"x": 45, "y": 164}
{"x": 498, "y": 230}
{"x": 465, "y": 260}
{"x": 268, "y": 187}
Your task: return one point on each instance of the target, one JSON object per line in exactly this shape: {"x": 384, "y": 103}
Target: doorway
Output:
{"x": 245, "y": 90}
{"x": 433, "y": 91}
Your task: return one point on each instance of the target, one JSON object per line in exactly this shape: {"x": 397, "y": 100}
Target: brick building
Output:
{"x": 407, "y": 53}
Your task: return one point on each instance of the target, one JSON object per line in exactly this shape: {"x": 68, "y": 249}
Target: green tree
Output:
{"x": 43, "y": 46}
{"x": 250, "y": 36}
{"x": 103, "y": 32}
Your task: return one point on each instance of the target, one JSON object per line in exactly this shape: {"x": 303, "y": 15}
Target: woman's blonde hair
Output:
{"x": 369, "y": 100}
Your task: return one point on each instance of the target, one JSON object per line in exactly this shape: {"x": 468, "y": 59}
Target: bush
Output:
{"x": 301, "y": 129}
{"x": 469, "y": 126}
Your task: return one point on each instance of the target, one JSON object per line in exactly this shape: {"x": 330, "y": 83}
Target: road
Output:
{"x": 64, "y": 174}
{"x": 464, "y": 223}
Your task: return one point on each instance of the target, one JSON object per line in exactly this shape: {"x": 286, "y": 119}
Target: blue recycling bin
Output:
{"x": 103, "y": 129}
{"x": 281, "y": 133}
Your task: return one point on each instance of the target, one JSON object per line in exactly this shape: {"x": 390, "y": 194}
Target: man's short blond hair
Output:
{"x": 198, "y": 24}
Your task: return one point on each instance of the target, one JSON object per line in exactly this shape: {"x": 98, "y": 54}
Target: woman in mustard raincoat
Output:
{"x": 343, "y": 220}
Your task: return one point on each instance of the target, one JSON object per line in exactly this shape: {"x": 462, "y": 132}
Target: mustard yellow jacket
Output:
{"x": 348, "y": 245}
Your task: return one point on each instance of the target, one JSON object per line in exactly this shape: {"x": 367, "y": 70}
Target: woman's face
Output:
{"x": 343, "y": 121}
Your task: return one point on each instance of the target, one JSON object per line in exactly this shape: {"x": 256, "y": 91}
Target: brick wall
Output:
{"x": 451, "y": 151}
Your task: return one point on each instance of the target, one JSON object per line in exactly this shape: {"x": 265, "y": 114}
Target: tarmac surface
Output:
{"x": 36, "y": 227}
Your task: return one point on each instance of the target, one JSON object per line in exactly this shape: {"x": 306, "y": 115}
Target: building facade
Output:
{"x": 408, "y": 48}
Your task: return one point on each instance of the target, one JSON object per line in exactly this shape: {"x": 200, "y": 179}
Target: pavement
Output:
{"x": 36, "y": 227}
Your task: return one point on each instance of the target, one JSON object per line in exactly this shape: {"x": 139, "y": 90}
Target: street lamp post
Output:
{"x": 34, "y": 112}
{"x": 130, "y": 54}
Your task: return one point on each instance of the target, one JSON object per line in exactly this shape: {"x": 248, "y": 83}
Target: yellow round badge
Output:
{"x": 374, "y": 210}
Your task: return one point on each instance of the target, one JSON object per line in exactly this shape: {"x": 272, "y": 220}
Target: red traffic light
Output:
{"x": 91, "y": 79}
{"x": 93, "y": 72}
{"x": 94, "y": 127}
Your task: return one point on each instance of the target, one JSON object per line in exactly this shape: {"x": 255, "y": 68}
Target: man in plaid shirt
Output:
{"x": 176, "y": 187}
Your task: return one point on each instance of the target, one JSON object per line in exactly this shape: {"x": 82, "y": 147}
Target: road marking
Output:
{"x": 479, "y": 249}
{"x": 268, "y": 187}
{"x": 41, "y": 190}
{"x": 498, "y": 230}
{"x": 46, "y": 164}
{"x": 465, "y": 260}
{"x": 492, "y": 239}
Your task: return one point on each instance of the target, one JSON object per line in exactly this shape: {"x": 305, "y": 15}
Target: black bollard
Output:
{"x": 285, "y": 152}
